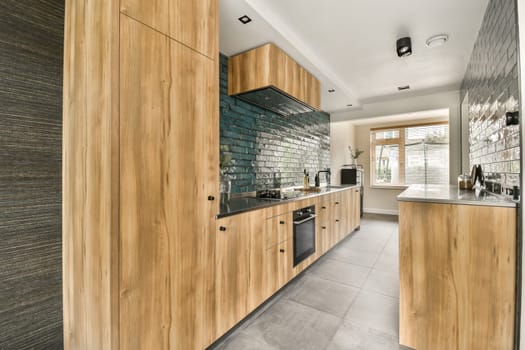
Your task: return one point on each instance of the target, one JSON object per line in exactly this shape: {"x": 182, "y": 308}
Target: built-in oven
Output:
{"x": 303, "y": 234}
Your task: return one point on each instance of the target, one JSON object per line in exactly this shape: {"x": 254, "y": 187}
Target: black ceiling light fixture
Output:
{"x": 402, "y": 88}
{"x": 404, "y": 47}
{"x": 331, "y": 90}
{"x": 245, "y": 19}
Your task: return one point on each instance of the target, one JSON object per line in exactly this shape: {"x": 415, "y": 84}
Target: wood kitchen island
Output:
{"x": 457, "y": 252}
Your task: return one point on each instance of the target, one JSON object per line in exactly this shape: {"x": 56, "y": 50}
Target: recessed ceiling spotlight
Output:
{"x": 404, "y": 47}
{"x": 331, "y": 90}
{"x": 245, "y": 19}
{"x": 402, "y": 88}
{"x": 349, "y": 105}
{"x": 437, "y": 40}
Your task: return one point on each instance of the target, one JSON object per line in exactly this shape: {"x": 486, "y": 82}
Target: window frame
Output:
{"x": 400, "y": 142}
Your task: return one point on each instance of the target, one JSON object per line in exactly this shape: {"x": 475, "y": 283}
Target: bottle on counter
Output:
{"x": 306, "y": 180}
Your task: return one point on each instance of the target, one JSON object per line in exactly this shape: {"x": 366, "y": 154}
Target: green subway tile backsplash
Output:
{"x": 267, "y": 149}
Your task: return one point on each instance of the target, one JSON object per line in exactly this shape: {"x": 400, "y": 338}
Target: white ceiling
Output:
{"x": 350, "y": 45}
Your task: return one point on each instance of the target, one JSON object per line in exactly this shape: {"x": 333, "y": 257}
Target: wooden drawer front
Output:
{"x": 278, "y": 229}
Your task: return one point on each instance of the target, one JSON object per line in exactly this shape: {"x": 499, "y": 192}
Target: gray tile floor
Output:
{"x": 348, "y": 300}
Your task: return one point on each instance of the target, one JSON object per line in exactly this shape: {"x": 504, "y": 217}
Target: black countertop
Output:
{"x": 244, "y": 204}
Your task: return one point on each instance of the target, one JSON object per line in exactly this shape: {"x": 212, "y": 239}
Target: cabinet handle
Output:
{"x": 323, "y": 207}
{"x": 281, "y": 222}
{"x": 336, "y": 202}
{"x": 356, "y": 191}
{"x": 211, "y": 198}
{"x": 336, "y": 220}
{"x": 281, "y": 250}
{"x": 323, "y": 227}
{"x": 222, "y": 228}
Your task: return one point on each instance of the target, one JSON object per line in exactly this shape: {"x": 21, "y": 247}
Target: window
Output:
{"x": 412, "y": 154}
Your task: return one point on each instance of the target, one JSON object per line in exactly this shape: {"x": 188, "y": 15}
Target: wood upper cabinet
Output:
{"x": 166, "y": 242}
{"x": 267, "y": 66}
{"x": 192, "y": 23}
{"x": 457, "y": 276}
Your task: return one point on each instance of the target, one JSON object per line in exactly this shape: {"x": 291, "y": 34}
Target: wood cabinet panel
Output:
{"x": 336, "y": 214}
{"x": 196, "y": 24}
{"x": 192, "y": 23}
{"x": 232, "y": 270}
{"x": 278, "y": 229}
{"x": 258, "y": 232}
{"x": 163, "y": 129}
{"x": 279, "y": 266}
{"x": 356, "y": 209}
{"x": 324, "y": 225}
{"x": 457, "y": 275}
{"x": 268, "y": 65}
{"x": 90, "y": 176}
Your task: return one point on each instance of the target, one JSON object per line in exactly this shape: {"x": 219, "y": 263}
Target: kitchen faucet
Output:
{"x": 317, "y": 180}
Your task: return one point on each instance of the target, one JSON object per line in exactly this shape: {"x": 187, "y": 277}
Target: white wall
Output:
{"x": 342, "y": 135}
{"x": 384, "y": 200}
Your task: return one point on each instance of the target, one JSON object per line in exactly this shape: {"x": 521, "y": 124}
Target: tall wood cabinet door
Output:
{"x": 193, "y": 23}
{"x": 232, "y": 270}
{"x": 166, "y": 220}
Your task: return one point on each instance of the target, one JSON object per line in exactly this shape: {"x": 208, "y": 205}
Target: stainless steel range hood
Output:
{"x": 269, "y": 78}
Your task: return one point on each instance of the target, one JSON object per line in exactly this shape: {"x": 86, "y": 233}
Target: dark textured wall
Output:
{"x": 492, "y": 85}
{"x": 267, "y": 149}
{"x": 31, "y": 50}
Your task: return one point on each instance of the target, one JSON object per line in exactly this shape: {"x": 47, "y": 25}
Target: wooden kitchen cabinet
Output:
{"x": 163, "y": 241}
{"x": 324, "y": 225}
{"x": 139, "y": 210}
{"x": 457, "y": 276}
{"x": 192, "y": 23}
{"x": 267, "y": 66}
{"x": 278, "y": 229}
{"x": 346, "y": 224}
{"x": 232, "y": 270}
{"x": 336, "y": 218}
{"x": 355, "y": 209}
{"x": 279, "y": 263}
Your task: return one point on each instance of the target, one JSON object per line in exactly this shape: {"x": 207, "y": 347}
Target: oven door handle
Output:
{"x": 311, "y": 217}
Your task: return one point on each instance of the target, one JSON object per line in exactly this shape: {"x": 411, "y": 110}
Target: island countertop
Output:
{"x": 450, "y": 194}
